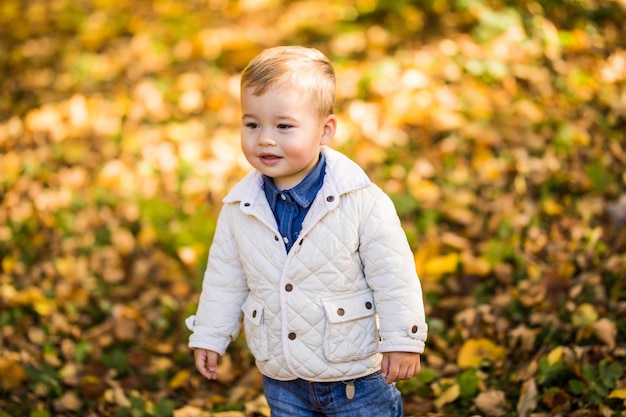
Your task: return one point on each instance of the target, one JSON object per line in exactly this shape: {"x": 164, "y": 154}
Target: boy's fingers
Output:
{"x": 211, "y": 363}
{"x": 206, "y": 363}
{"x": 393, "y": 376}
{"x": 384, "y": 366}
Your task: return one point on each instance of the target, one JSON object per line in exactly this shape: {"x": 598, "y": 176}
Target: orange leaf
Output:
{"x": 13, "y": 374}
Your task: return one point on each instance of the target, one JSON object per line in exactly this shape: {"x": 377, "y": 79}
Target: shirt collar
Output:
{"x": 304, "y": 193}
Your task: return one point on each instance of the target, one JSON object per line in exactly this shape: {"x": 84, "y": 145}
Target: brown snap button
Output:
{"x": 276, "y": 238}
{"x": 414, "y": 329}
{"x": 330, "y": 198}
{"x": 288, "y": 287}
{"x": 254, "y": 314}
{"x": 341, "y": 312}
{"x": 368, "y": 305}
{"x": 246, "y": 204}
{"x": 292, "y": 336}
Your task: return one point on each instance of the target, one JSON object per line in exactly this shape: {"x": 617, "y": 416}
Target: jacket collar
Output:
{"x": 342, "y": 176}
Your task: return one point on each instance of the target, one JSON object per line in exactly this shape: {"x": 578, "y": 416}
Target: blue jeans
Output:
{"x": 298, "y": 398}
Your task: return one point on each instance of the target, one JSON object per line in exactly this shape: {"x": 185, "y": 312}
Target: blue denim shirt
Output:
{"x": 291, "y": 206}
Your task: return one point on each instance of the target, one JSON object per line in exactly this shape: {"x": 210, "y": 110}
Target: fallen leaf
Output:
{"x": 68, "y": 402}
{"x": 191, "y": 411}
{"x": 492, "y": 403}
{"x": 618, "y": 393}
{"x": 258, "y": 406}
{"x": 555, "y": 355}
{"x": 584, "y": 315}
{"x": 13, "y": 373}
{"x": 606, "y": 331}
{"x": 448, "y": 396}
{"x": 475, "y": 351}
{"x": 437, "y": 267}
{"x": 527, "y": 401}
{"x": 179, "y": 379}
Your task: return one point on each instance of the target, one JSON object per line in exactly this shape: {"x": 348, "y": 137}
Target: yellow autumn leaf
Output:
{"x": 555, "y": 355}
{"x": 13, "y": 374}
{"x": 584, "y": 315}
{"x": 552, "y": 208}
{"x": 425, "y": 191}
{"x": 448, "y": 396}
{"x": 179, "y": 379}
{"x": 618, "y": 393}
{"x": 426, "y": 251}
{"x": 12, "y": 167}
{"x": 8, "y": 264}
{"x": 475, "y": 351}
{"x": 438, "y": 266}
{"x": 35, "y": 298}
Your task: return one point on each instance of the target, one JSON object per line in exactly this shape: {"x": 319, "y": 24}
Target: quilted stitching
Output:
{"x": 325, "y": 263}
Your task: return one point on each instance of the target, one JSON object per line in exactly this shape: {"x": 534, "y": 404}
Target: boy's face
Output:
{"x": 281, "y": 133}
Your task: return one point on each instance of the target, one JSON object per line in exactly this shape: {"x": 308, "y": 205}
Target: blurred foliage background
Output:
{"x": 497, "y": 126}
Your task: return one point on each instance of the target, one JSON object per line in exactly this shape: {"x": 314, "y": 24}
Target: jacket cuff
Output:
{"x": 413, "y": 339}
{"x": 199, "y": 339}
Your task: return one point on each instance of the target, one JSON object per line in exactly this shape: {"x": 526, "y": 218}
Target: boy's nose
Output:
{"x": 265, "y": 138}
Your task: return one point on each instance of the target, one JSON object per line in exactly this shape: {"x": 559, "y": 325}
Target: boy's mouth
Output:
{"x": 269, "y": 157}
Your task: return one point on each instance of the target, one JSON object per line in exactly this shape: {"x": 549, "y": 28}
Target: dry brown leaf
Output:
{"x": 527, "y": 401}
{"x": 125, "y": 322}
{"x": 524, "y": 336}
{"x": 492, "y": 403}
{"x": 606, "y": 331}
{"x": 191, "y": 411}
{"x": 228, "y": 414}
{"x": 68, "y": 402}
{"x": 258, "y": 406}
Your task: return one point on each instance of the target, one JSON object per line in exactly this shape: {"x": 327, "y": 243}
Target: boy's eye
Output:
{"x": 284, "y": 126}
{"x": 251, "y": 125}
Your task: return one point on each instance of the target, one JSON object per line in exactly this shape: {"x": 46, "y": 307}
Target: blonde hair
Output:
{"x": 305, "y": 69}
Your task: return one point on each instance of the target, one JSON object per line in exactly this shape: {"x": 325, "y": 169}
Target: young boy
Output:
{"x": 313, "y": 254}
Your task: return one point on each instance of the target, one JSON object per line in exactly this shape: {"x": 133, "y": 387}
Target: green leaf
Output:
{"x": 164, "y": 408}
{"x": 117, "y": 360}
{"x": 599, "y": 176}
{"x": 577, "y": 386}
{"x": 468, "y": 381}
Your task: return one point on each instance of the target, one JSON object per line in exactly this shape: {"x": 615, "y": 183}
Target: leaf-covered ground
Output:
{"x": 498, "y": 127}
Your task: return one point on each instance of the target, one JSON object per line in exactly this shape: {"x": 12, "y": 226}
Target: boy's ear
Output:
{"x": 330, "y": 127}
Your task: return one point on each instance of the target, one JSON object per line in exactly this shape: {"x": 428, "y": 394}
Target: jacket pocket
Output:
{"x": 255, "y": 328}
{"x": 351, "y": 331}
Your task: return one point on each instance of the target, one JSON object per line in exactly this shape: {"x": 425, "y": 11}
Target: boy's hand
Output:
{"x": 206, "y": 362}
{"x": 400, "y": 365}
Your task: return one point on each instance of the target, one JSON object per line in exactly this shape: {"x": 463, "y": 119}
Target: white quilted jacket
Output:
{"x": 346, "y": 292}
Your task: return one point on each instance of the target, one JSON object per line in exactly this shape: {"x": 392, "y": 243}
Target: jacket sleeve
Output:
{"x": 389, "y": 268}
{"x": 224, "y": 290}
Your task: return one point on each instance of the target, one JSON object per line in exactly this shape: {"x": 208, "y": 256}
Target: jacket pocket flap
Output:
{"x": 253, "y": 310}
{"x": 343, "y": 308}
